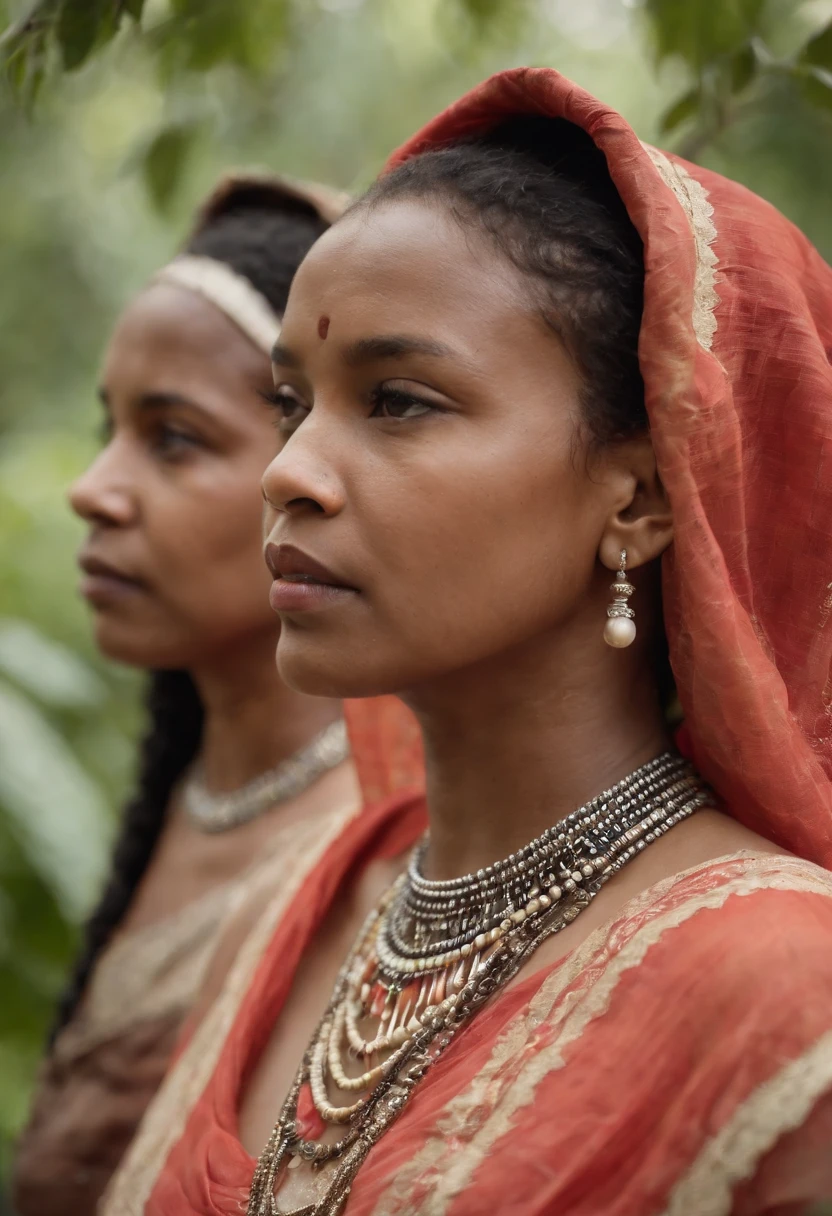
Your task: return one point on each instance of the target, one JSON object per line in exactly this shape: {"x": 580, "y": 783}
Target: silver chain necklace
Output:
{"x": 220, "y": 812}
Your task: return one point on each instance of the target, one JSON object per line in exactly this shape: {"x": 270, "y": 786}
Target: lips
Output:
{"x": 293, "y": 565}
{"x": 103, "y": 582}
{"x": 98, "y": 568}
{"x": 300, "y": 582}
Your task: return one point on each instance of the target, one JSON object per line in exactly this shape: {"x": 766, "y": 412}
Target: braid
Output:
{"x": 263, "y": 236}
{"x": 169, "y": 745}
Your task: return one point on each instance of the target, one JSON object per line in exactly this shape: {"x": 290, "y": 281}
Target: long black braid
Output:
{"x": 261, "y": 234}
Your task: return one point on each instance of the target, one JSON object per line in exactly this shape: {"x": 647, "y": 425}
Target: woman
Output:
{"x": 242, "y": 780}
{"x": 535, "y": 361}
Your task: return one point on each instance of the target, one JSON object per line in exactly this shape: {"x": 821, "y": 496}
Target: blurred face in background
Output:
{"x": 172, "y": 566}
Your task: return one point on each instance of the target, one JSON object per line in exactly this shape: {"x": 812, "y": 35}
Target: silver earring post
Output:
{"x": 620, "y": 629}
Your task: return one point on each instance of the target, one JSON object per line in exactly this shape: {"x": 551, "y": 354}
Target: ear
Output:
{"x": 641, "y": 521}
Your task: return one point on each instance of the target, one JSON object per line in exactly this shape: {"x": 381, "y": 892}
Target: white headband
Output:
{"x": 232, "y": 293}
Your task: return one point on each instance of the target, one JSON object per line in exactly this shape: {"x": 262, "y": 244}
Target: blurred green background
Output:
{"x": 115, "y": 118}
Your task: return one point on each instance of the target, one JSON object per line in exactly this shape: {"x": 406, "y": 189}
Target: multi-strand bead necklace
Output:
{"x": 430, "y": 955}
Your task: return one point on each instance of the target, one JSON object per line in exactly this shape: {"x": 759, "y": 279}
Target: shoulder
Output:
{"x": 753, "y": 930}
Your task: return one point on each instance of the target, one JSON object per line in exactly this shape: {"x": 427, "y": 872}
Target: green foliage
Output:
{"x": 66, "y": 723}
{"x": 700, "y": 31}
{"x": 82, "y": 27}
{"x": 725, "y": 47}
{"x": 814, "y": 68}
{"x": 54, "y": 834}
{"x": 818, "y": 50}
{"x": 200, "y": 34}
{"x": 164, "y": 162}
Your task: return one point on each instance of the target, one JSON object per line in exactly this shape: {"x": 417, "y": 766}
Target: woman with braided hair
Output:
{"x": 242, "y": 782}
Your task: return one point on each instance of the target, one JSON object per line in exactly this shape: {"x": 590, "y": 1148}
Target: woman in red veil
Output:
{"x": 497, "y": 1040}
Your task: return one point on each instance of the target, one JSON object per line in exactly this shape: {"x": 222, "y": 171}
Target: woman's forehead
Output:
{"x": 408, "y": 256}
{"x": 176, "y": 325}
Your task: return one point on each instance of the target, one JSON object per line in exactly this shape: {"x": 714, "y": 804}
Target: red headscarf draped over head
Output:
{"x": 734, "y": 348}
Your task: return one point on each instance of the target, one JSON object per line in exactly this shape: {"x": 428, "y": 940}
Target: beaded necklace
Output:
{"x": 431, "y": 954}
{"x": 214, "y": 813}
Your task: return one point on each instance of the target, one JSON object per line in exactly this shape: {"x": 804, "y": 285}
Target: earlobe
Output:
{"x": 643, "y": 525}
{"x": 644, "y": 539}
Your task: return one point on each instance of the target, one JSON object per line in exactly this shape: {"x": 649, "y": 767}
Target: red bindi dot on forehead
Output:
{"x": 323, "y": 327}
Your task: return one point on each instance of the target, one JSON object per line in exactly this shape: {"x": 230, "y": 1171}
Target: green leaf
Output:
{"x": 17, "y": 66}
{"x": 52, "y": 673}
{"x": 35, "y": 20}
{"x": 34, "y": 82}
{"x": 743, "y": 68}
{"x": 134, "y": 9}
{"x": 818, "y": 50}
{"x": 683, "y": 109}
{"x": 23, "y": 51}
{"x": 165, "y": 159}
{"x": 82, "y": 25}
{"x": 53, "y": 808}
{"x": 816, "y": 86}
{"x": 700, "y": 31}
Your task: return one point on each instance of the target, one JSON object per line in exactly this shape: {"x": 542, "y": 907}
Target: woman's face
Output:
{"x": 437, "y": 466}
{"x": 173, "y": 566}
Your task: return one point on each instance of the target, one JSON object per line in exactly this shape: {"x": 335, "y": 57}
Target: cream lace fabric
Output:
{"x": 157, "y": 971}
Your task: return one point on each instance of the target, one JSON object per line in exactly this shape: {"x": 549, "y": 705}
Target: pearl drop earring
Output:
{"x": 620, "y": 629}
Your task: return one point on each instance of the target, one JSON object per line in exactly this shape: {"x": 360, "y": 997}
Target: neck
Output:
{"x": 514, "y": 745}
{"x": 252, "y": 720}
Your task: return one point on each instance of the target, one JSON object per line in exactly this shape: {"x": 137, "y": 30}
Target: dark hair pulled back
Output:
{"x": 541, "y": 190}
{"x": 263, "y": 233}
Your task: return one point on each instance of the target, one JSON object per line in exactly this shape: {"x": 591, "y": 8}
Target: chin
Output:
{"x": 139, "y": 648}
{"x": 342, "y": 673}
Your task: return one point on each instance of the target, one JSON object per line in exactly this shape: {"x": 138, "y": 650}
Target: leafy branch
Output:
{"x": 73, "y": 28}
{"x": 724, "y": 45}
{"x": 725, "y": 49}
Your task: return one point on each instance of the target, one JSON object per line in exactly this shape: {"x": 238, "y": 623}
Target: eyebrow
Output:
{"x": 366, "y": 350}
{"x": 393, "y": 346}
{"x": 157, "y": 400}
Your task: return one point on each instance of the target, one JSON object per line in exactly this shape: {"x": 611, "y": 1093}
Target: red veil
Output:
{"x": 734, "y": 352}
{"x": 386, "y": 747}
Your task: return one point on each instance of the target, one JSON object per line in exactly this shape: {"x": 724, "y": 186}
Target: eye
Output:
{"x": 289, "y": 407}
{"x": 172, "y": 442}
{"x": 397, "y": 403}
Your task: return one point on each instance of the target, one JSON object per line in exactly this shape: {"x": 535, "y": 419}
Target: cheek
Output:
{"x": 493, "y": 544}
{"x": 209, "y": 549}
{"x": 462, "y": 567}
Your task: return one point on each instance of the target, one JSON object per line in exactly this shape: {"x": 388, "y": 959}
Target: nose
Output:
{"x": 300, "y": 480}
{"x": 102, "y": 495}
